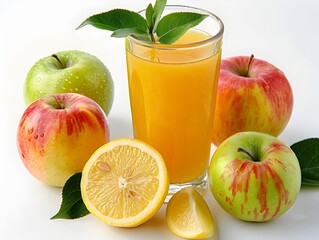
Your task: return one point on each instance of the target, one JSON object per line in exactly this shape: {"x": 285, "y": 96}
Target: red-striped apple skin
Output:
{"x": 254, "y": 176}
{"x": 58, "y": 133}
{"x": 259, "y": 99}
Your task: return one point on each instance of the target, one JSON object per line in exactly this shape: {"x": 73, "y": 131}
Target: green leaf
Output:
{"x": 124, "y": 23}
{"x": 172, "y": 26}
{"x": 131, "y": 31}
{"x": 307, "y": 152}
{"x": 149, "y": 15}
{"x": 116, "y": 19}
{"x": 158, "y": 11}
{"x": 72, "y": 206}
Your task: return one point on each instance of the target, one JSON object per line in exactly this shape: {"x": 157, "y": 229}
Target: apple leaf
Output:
{"x": 117, "y": 19}
{"x": 307, "y": 152}
{"x": 149, "y": 15}
{"x": 124, "y": 23}
{"x": 172, "y": 26}
{"x": 72, "y": 205}
{"x": 158, "y": 11}
{"x": 130, "y": 31}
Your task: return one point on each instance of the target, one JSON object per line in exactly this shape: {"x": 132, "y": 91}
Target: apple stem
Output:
{"x": 248, "y": 153}
{"x": 249, "y": 63}
{"x": 59, "y": 61}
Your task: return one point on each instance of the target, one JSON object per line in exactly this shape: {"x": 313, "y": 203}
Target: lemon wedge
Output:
{"x": 188, "y": 215}
{"x": 124, "y": 183}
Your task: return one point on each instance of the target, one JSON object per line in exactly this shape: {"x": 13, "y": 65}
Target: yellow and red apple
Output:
{"x": 253, "y": 95}
{"x": 57, "y": 135}
{"x": 254, "y": 176}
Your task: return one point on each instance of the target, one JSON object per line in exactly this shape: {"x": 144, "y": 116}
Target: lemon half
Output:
{"x": 124, "y": 183}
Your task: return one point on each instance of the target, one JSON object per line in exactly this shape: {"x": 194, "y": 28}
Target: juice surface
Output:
{"x": 172, "y": 96}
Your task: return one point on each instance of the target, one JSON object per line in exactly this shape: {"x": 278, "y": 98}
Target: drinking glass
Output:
{"x": 172, "y": 95}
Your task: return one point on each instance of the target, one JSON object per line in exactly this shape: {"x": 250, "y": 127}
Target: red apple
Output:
{"x": 58, "y": 133}
{"x": 253, "y": 95}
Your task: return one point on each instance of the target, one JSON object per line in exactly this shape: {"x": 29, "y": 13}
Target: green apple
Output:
{"x": 58, "y": 133}
{"x": 70, "y": 71}
{"x": 254, "y": 176}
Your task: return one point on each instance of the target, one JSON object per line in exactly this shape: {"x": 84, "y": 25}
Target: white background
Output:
{"x": 283, "y": 32}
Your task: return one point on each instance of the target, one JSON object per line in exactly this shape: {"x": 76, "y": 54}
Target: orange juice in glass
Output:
{"x": 172, "y": 94}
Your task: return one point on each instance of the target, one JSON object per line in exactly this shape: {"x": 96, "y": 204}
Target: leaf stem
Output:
{"x": 151, "y": 33}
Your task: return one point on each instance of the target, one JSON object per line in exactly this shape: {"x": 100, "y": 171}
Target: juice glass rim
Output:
{"x": 214, "y": 38}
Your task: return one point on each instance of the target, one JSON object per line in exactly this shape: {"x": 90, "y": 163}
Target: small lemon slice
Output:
{"x": 188, "y": 215}
{"x": 124, "y": 183}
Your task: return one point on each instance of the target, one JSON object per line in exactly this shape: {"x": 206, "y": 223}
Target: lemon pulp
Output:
{"x": 189, "y": 216}
{"x": 124, "y": 183}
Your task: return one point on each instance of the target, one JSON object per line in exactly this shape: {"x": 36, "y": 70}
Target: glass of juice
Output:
{"x": 172, "y": 95}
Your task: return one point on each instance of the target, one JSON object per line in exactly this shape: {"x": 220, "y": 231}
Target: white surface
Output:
{"x": 283, "y": 32}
